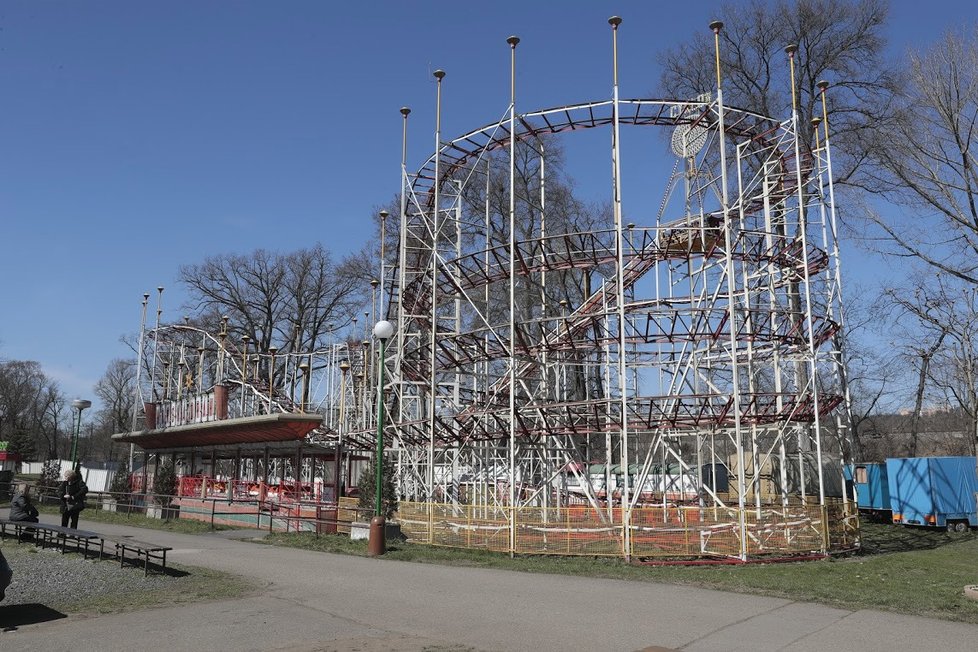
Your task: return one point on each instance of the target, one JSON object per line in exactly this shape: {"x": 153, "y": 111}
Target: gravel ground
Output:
{"x": 45, "y": 576}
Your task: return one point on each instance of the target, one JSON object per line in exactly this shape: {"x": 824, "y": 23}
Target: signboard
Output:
{"x": 199, "y": 408}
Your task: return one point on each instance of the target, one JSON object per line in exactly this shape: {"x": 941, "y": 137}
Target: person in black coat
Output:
{"x": 21, "y": 507}
{"x": 5, "y": 575}
{"x": 72, "y": 491}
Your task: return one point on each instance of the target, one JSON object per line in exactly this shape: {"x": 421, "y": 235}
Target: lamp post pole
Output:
{"x": 377, "y": 544}
{"x": 378, "y": 497}
{"x": 79, "y": 404}
{"x": 341, "y": 429}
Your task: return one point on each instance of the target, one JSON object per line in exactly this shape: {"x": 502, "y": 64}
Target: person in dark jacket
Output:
{"x": 21, "y": 507}
{"x": 5, "y": 575}
{"x": 72, "y": 491}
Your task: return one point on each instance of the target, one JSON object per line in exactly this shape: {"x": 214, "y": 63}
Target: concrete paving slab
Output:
{"x": 783, "y": 627}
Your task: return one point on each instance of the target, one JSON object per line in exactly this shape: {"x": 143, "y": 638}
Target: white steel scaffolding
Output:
{"x": 685, "y": 361}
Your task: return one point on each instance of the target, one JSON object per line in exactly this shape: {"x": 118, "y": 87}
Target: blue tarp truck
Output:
{"x": 934, "y": 491}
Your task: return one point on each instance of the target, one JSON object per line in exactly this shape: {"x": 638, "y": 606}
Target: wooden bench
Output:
{"x": 18, "y": 527}
{"x": 45, "y": 534}
{"x": 145, "y": 551}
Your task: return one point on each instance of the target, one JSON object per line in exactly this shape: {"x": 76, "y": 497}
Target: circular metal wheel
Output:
{"x": 957, "y": 526}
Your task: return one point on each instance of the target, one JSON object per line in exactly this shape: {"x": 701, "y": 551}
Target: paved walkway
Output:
{"x": 315, "y": 601}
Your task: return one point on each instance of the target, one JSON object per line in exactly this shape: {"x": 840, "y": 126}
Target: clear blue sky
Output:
{"x": 139, "y": 136}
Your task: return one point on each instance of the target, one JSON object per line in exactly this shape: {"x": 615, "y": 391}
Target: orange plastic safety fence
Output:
{"x": 577, "y": 530}
{"x": 785, "y": 530}
{"x": 685, "y": 532}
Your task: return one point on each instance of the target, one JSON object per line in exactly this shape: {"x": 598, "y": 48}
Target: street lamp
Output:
{"x": 341, "y": 429}
{"x": 79, "y": 404}
{"x": 377, "y": 544}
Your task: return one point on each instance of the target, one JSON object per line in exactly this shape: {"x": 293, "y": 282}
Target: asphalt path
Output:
{"x": 310, "y": 601}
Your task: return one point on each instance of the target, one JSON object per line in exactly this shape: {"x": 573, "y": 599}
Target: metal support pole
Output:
{"x": 383, "y": 262}
{"x": 615, "y": 21}
{"x": 377, "y": 543}
{"x": 433, "y": 343}
{"x": 74, "y": 438}
{"x": 379, "y": 496}
{"x": 137, "y": 403}
{"x": 402, "y": 263}
{"x": 513, "y": 42}
{"x": 716, "y": 26}
{"x": 156, "y": 341}
{"x": 803, "y": 228}
{"x": 79, "y": 404}
{"x": 341, "y": 429}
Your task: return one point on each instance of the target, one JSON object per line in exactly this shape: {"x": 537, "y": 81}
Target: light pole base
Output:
{"x": 377, "y": 543}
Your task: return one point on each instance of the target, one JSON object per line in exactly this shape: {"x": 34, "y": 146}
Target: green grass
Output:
{"x": 905, "y": 570}
{"x": 192, "y": 584}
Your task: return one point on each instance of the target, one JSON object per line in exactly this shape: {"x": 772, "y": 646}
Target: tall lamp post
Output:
{"x": 341, "y": 429}
{"x": 377, "y": 544}
{"x": 79, "y": 404}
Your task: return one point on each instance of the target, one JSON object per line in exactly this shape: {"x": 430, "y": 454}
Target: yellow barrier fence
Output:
{"x": 656, "y": 532}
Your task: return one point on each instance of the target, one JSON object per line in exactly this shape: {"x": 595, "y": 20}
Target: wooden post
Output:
{"x": 220, "y": 402}
{"x": 149, "y": 410}
{"x": 263, "y": 490}
{"x": 236, "y": 474}
{"x": 298, "y": 474}
{"x": 145, "y": 472}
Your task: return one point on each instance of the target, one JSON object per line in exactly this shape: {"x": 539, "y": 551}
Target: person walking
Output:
{"x": 72, "y": 491}
{"x": 21, "y": 506}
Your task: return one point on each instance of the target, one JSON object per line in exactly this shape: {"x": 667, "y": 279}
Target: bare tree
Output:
{"x": 290, "y": 300}
{"x": 871, "y": 370}
{"x": 945, "y": 340}
{"x": 925, "y": 354}
{"x": 32, "y": 408}
{"x": 838, "y": 41}
{"x": 927, "y": 160}
{"x": 955, "y": 368}
{"x": 116, "y": 391}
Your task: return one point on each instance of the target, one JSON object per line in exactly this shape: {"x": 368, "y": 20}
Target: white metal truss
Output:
{"x": 701, "y": 347}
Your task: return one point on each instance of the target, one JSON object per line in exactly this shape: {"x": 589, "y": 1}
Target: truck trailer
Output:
{"x": 934, "y": 491}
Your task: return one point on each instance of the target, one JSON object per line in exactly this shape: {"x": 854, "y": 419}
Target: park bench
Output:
{"x": 84, "y": 541}
{"x": 144, "y": 551}
{"x": 62, "y": 537}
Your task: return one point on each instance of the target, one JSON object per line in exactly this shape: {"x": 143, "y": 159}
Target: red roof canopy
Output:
{"x": 245, "y": 430}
